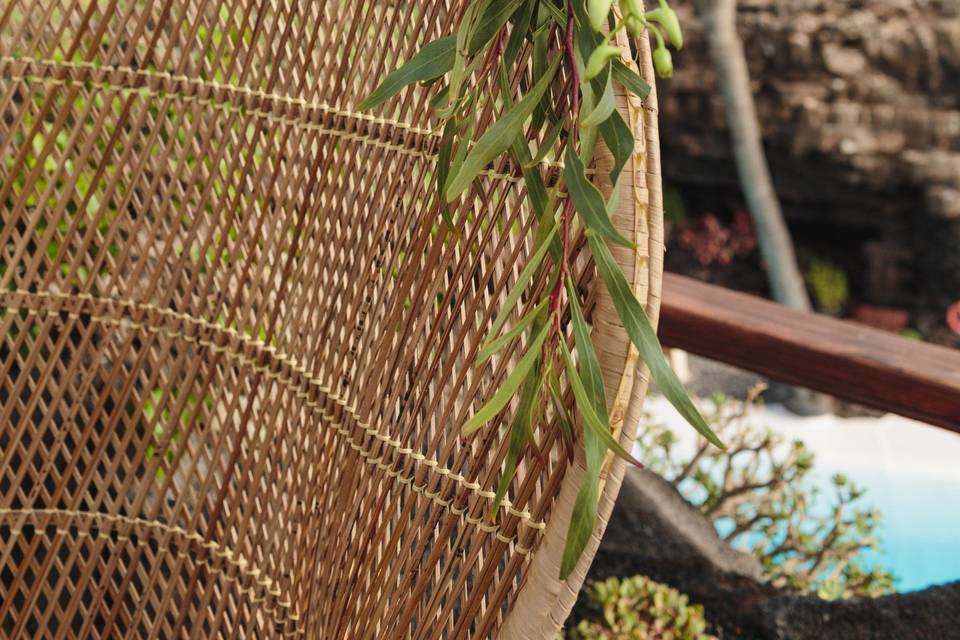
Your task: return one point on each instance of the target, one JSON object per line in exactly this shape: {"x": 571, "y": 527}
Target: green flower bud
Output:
{"x": 663, "y": 62}
{"x": 632, "y": 7}
{"x": 598, "y": 10}
{"x": 599, "y": 59}
{"x": 668, "y": 21}
{"x": 634, "y": 26}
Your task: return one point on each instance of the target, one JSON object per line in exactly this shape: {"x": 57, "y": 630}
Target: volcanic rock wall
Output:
{"x": 859, "y": 102}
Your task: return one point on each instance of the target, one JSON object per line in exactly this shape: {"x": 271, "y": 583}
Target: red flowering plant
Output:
{"x": 714, "y": 243}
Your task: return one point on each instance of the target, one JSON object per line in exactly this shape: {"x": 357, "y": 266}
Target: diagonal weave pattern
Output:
{"x": 235, "y": 345}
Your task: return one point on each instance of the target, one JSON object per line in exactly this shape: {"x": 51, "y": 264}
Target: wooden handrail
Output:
{"x": 843, "y": 359}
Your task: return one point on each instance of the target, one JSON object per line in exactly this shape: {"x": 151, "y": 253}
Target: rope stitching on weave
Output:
{"x": 183, "y": 88}
{"x": 282, "y": 362}
{"x": 215, "y": 553}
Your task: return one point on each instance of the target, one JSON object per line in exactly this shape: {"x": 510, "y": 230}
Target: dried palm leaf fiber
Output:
{"x": 237, "y": 347}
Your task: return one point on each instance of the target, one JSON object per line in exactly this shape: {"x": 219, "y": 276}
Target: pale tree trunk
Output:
{"x": 776, "y": 245}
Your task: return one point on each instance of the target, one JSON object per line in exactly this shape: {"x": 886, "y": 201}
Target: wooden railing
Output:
{"x": 843, "y": 359}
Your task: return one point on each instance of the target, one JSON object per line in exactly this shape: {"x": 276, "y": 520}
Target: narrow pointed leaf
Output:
{"x": 584, "y": 517}
{"x": 520, "y": 22}
{"x": 495, "y": 14}
{"x": 500, "y": 136}
{"x": 441, "y": 98}
{"x": 587, "y": 39}
{"x": 592, "y": 421}
{"x": 541, "y": 45}
{"x": 641, "y": 333}
{"x": 555, "y": 13}
{"x": 606, "y": 105}
{"x": 614, "y": 200}
{"x": 563, "y": 416}
{"x": 536, "y": 190}
{"x": 588, "y": 200}
{"x": 619, "y": 139}
{"x": 466, "y": 131}
{"x": 459, "y": 72}
{"x": 431, "y": 62}
{"x": 547, "y": 145}
{"x": 502, "y": 397}
{"x": 630, "y": 79}
{"x": 495, "y": 345}
{"x": 589, "y": 369}
{"x": 444, "y": 158}
{"x": 521, "y": 284}
{"x": 521, "y": 434}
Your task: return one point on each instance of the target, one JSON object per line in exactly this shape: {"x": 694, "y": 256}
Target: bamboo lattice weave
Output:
{"x": 236, "y": 346}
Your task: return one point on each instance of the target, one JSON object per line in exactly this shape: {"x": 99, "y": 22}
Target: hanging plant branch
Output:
{"x": 566, "y": 100}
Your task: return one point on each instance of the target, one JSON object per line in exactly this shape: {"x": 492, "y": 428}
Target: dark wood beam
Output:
{"x": 843, "y": 359}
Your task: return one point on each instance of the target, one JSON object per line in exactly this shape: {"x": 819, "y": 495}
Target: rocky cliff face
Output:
{"x": 859, "y": 102}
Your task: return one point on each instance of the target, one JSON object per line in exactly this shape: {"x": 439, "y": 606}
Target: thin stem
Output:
{"x": 493, "y": 56}
{"x": 556, "y": 297}
{"x": 574, "y": 72}
{"x": 556, "y": 301}
{"x": 612, "y": 34}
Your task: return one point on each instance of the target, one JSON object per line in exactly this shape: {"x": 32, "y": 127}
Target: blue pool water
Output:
{"x": 911, "y": 473}
{"x": 920, "y": 526}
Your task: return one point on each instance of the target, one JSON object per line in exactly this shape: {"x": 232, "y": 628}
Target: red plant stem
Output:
{"x": 556, "y": 297}
{"x": 493, "y": 56}
{"x": 556, "y": 300}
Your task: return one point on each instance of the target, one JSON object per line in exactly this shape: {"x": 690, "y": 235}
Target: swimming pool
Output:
{"x": 911, "y": 472}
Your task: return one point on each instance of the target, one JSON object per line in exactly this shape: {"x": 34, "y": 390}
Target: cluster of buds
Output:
{"x": 662, "y": 22}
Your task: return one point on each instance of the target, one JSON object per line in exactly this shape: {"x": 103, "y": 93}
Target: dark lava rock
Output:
{"x": 655, "y": 532}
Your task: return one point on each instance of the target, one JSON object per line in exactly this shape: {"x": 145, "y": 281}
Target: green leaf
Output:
{"x": 641, "y": 333}
{"x": 563, "y": 417}
{"x": 593, "y": 419}
{"x": 441, "y": 98}
{"x": 546, "y": 146}
{"x": 520, "y": 25}
{"x": 459, "y": 72}
{"x": 587, "y": 39}
{"x": 606, "y": 105}
{"x": 541, "y": 46}
{"x": 502, "y": 397}
{"x": 465, "y": 133}
{"x": 584, "y": 517}
{"x": 555, "y": 13}
{"x": 536, "y": 190}
{"x": 619, "y": 139}
{"x": 630, "y": 79}
{"x": 588, "y": 200}
{"x": 492, "y": 346}
{"x": 588, "y": 136}
{"x": 444, "y": 158}
{"x": 521, "y": 284}
{"x": 592, "y": 375}
{"x": 500, "y": 136}
{"x": 495, "y": 15}
{"x": 521, "y": 434}
{"x": 614, "y": 200}
{"x": 431, "y": 62}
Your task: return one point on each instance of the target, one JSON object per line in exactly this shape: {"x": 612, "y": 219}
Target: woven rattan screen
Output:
{"x": 235, "y": 345}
